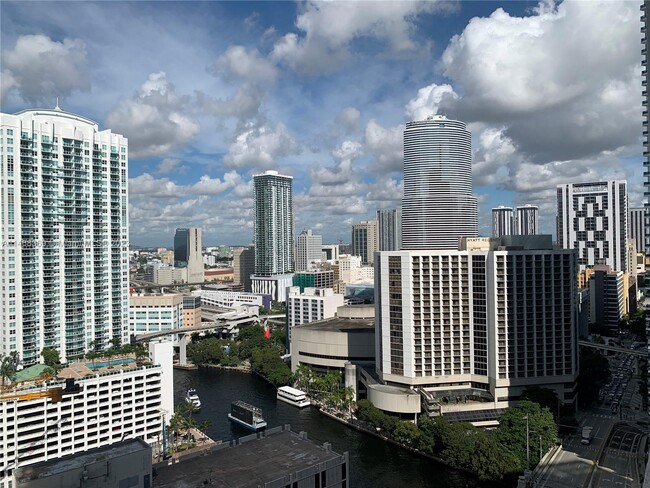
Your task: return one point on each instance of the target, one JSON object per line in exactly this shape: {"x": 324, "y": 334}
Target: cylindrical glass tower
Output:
{"x": 438, "y": 206}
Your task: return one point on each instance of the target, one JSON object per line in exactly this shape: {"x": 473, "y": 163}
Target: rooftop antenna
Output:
{"x": 57, "y": 105}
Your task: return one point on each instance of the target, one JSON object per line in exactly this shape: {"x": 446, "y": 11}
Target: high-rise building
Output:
{"x": 438, "y": 206}
{"x": 309, "y": 248}
{"x": 310, "y": 305}
{"x": 390, "y": 229}
{"x": 636, "y": 228}
{"x": 188, "y": 253}
{"x": 607, "y": 297}
{"x": 645, "y": 73}
{"x": 482, "y": 324}
{"x": 64, "y": 228}
{"x": 502, "y": 221}
{"x": 243, "y": 259}
{"x": 273, "y": 234}
{"x": 592, "y": 218}
{"x": 365, "y": 237}
{"x": 527, "y": 220}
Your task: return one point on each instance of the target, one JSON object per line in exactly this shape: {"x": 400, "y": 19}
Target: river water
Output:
{"x": 373, "y": 463}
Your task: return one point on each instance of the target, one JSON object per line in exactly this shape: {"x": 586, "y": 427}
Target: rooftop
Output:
{"x": 338, "y": 324}
{"x": 78, "y": 460}
{"x": 251, "y": 461}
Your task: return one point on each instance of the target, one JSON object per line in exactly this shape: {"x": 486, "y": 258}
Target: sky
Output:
{"x": 211, "y": 93}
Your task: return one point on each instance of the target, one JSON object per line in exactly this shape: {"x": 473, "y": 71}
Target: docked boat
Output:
{"x": 293, "y": 396}
{"x": 246, "y": 415}
{"x": 193, "y": 398}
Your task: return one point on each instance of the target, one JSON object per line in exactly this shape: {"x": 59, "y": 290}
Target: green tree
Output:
{"x": 8, "y": 365}
{"x": 491, "y": 460}
{"x": 407, "y": 433}
{"x": 594, "y": 373}
{"x": 51, "y": 357}
{"x": 544, "y": 396}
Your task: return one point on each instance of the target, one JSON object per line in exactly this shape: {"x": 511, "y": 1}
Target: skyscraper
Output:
{"x": 636, "y": 228}
{"x": 365, "y": 237}
{"x": 438, "y": 206}
{"x": 502, "y": 221}
{"x": 188, "y": 247}
{"x": 645, "y": 73}
{"x": 592, "y": 218}
{"x": 527, "y": 220}
{"x": 244, "y": 266}
{"x": 309, "y": 248}
{"x": 390, "y": 229}
{"x": 273, "y": 234}
{"x": 63, "y": 207}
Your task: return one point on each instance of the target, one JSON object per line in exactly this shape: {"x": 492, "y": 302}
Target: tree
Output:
{"x": 594, "y": 373}
{"x": 406, "y": 433}
{"x": 8, "y": 365}
{"x": 490, "y": 460}
{"x": 544, "y": 396}
{"x": 51, "y": 357}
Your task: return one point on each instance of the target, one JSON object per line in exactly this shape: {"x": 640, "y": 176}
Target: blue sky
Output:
{"x": 210, "y": 93}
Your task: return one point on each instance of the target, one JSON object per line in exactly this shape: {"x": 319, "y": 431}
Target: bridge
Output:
{"x": 618, "y": 349}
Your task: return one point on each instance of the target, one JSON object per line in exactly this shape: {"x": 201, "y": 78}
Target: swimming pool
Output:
{"x": 114, "y": 362}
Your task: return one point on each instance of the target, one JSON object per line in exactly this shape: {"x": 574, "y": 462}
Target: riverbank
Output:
{"x": 238, "y": 369}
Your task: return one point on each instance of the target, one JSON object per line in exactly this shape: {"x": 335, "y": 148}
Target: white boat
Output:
{"x": 246, "y": 415}
{"x": 193, "y": 398}
{"x": 293, "y": 396}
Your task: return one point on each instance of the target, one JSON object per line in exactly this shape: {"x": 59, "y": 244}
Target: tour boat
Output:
{"x": 193, "y": 398}
{"x": 246, "y": 415}
{"x": 293, "y": 396}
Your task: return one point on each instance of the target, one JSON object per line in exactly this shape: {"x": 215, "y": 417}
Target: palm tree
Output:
{"x": 204, "y": 425}
{"x": 8, "y": 366}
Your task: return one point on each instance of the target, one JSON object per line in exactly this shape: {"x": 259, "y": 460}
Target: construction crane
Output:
{"x": 55, "y": 394}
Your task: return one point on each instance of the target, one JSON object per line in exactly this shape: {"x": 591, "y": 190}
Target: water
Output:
{"x": 373, "y": 463}
{"x": 114, "y": 362}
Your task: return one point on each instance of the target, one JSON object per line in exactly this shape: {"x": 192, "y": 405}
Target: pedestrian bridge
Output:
{"x": 622, "y": 350}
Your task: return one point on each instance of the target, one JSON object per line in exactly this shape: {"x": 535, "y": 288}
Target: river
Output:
{"x": 373, "y": 463}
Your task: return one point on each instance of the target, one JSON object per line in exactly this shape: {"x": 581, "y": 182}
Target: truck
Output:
{"x": 586, "y": 435}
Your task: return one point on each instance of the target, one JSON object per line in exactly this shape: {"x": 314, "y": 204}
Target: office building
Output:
{"x": 89, "y": 405}
{"x": 502, "y": 221}
{"x": 527, "y": 219}
{"x": 309, "y": 248}
{"x": 64, "y": 228}
{"x": 365, "y": 240}
{"x": 155, "y": 312}
{"x": 243, "y": 266}
{"x": 390, "y": 229}
{"x": 592, "y": 219}
{"x": 188, "y": 253}
{"x": 606, "y": 297}
{"x": 636, "y": 228}
{"x": 645, "y": 73}
{"x": 162, "y": 274}
{"x": 330, "y": 252}
{"x": 273, "y": 234}
{"x": 232, "y": 299}
{"x": 438, "y": 206}
{"x": 191, "y": 310}
{"x": 315, "y": 278}
{"x": 480, "y": 325}
{"x": 310, "y": 305}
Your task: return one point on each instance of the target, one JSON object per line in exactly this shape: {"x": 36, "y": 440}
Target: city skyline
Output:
{"x": 284, "y": 87}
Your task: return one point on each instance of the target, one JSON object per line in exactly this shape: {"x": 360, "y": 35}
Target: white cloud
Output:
{"x": 494, "y": 152}
{"x": 246, "y": 64}
{"x": 146, "y": 185}
{"x": 343, "y": 172}
{"x": 348, "y": 119}
{"x": 41, "y": 69}
{"x": 387, "y": 145}
{"x": 155, "y": 119}
{"x": 260, "y": 146}
{"x": 244, "y": 105}
{"x": 428, "y": 100}
{"x": 168, "y": 165}
{"x": 330, "y": 27}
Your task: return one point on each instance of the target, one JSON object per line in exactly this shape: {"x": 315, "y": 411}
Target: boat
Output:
{"x": 246, "y": 415}
{"x": 193, "y": 398}
{"x": 293, "y": 396}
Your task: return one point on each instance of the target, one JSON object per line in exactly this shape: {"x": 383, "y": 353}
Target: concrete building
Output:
{"x": 606, "y": 297}
{"x": 163, "y": 274}
{"x": 64, "y": 199}
{"x": 166, "y": 257}
{"x": 502, "y": 221}
{"x": 310, "y": 305}
{"x": 274, "y": 264}
{"x": 390, "y": 229}
{"x": 477, "y": 325}
{"x": 219, "y": 274}
{"x": 645, "y": 73}
{"x": 317, "y": 278}
{"x": 592, "y": 218}
{"x": 155, "y": 312}
{"x": 232, "y": 299}
{"x": 636, "y": 228}
{"x": 330, "y": 252}
{"x": 188, "y": 252}
{"x": 105, "y": 403}
{"x": 275, "y": 458}
{"x": 365, "y": 240}
{"x": 326, "y": 345}
{"x": 244, "y": 267}
{"x": 309, "y": 248}
{"x": 191, "y": 310}
{"x": 438, "y": 206}
{"x": 126, "y": 463}
{"x": 527, "y": 219}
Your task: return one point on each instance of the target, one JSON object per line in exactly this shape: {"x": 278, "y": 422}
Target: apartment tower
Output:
{"x": 592, "y": 218}
{"x": 502, "y": 221}
{"x": 636, "y": 228}
{"x": 365, "y": 240}
{"x": 438, "y": 206}
{"x": 309, "y": 248}
{"x": 527, "y": 220}
{"x": 645, "y": 42}
{"x": 64, "y": 225}
{"x": 390, "y": 229}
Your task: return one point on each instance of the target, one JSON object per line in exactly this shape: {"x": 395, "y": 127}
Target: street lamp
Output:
{"x": 527, "y": 445}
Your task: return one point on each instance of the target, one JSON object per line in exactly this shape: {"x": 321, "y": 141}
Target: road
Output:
{"x": 618, "y": 466}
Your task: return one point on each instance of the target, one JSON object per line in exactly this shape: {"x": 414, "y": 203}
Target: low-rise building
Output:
{"x": 155, "y": 312}
{"x": 191, "y": 310}
{"x": 232, "y": 299}
{"x": 309, "y": 306}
